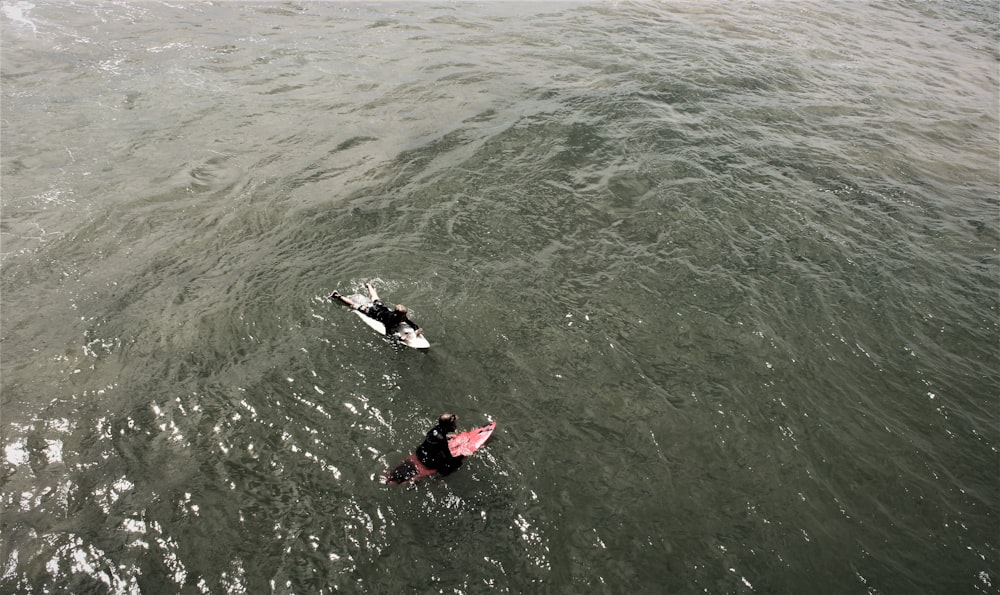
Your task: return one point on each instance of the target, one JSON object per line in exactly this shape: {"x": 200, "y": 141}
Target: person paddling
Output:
{"x": 433, "y": 453}
{"x": 392, "y": 319}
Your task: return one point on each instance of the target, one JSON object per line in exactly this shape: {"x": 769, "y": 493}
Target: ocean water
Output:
{"x": 725, "y": 274}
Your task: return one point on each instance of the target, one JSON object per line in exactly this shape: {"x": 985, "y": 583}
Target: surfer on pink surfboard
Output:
{"x": 392, "y": 319}
{"x": 435, "y": 454}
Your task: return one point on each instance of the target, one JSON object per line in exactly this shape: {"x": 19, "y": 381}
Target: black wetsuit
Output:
{"x": 434, "y": 453}
{"x": 390, "y": 318}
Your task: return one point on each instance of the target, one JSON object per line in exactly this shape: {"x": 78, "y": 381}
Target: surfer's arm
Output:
{"x": 451, "y": 462}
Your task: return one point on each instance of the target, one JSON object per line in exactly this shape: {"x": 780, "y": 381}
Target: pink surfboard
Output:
{"x": 466, "y": 443}
{"x": 411, "y": 470}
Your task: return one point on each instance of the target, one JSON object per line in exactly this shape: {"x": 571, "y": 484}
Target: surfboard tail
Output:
{"x": 409, "y": 470}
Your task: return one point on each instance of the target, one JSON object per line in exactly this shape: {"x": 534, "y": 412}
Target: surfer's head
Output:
{"x": 401, "y": 309}
{"x": 448, "y": 422}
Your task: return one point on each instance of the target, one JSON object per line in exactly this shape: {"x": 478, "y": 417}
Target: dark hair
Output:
{"x": 448, "y": 420}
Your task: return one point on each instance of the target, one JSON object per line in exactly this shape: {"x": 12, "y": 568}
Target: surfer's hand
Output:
{"x": 420, "y": 331}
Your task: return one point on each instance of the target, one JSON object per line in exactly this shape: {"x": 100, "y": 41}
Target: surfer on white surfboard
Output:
{"x": 392, "y": 319}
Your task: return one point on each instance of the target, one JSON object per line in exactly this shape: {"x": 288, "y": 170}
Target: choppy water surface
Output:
{"x": 725, "y": 274}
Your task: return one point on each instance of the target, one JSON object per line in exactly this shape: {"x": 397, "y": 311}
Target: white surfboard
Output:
{"x": 406, "y": 335}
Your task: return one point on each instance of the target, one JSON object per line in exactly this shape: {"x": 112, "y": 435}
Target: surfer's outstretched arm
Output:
{"x": 371, "y": 290}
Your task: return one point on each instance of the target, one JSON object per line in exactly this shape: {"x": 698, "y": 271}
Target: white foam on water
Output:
{"x": 15, "y": 452}
{"x": 18, "y": 13}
